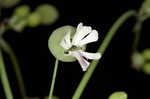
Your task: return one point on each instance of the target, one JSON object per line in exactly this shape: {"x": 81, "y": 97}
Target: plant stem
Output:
{"x": 101, "y": 50}
{"x": 53, "y": 79}
{"x": 4, "y": 78}
{"x": 6, "y": 47}
{"x": 137, "y": 32}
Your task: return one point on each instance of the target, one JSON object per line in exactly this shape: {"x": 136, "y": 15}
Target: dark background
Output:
{"x": 114, "y": 72}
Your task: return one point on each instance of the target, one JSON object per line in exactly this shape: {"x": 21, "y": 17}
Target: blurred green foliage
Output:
{"x": 54, "y": 97}
{"x": 33, "y": 20}
{"x": 137, "y": 60}
{"x": 144, "y": 12}
{"x": 18, "y": 20}
{"x": 48, "y": 13}
{"x": 146, "y": 68}
{"x": 9, "y": 3}
{"x": 45, "y": 14}
{"x": 146, "y": 54}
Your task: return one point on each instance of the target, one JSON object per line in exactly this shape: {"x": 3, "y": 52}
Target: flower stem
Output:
{"x": 137, "y": 32}
{"x": 6, "y": 47}
{"x": 4, "y": 78}
{"x": 53, "y": 79}
{"x": 101, "y": 50}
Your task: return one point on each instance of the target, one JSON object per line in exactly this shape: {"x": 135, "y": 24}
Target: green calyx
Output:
{"x": 22, "y": 11}
{"x": 146, "y": 65}
{"x": 54, "y": 43}
{"x": 45, "y": 14}
{"x": 144, "y": 13}
{"x": 146, "y": 54}
{"x": 147, "y": 6}
{"x": 118, "y": 95}
{"x": 33, "y": 20}
{"x": 148, "y": 2}
{"x": 137, "y": 60}
{"x": 146, "y": 68}
{"x": 48, "y": 14}
{"x": 18, "y": 20}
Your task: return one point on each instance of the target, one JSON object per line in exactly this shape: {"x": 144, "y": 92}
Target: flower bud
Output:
{"x": 48, "y": 13}
{"x": 146, "y": 68}
{"x": 18, "y": 21}
{"x": 137, "y": 60}
{"x": 19, "y": 27}
{"x": 145, "y": 10}
{"x": 147, "y": 6}
{"x": 33, "y": 20}
{"x": 22, "y": 11}
{"x": 146, "y": 54}
{"x": 118, "y": 95}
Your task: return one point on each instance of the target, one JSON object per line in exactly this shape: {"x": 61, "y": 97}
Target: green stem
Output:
{"x": 4, "y": 78}
{"x": 101, "y": 50}
{"x": 6, "y": 47}
{"x": 137, "y": 32}
{"x": 53, "y": 79}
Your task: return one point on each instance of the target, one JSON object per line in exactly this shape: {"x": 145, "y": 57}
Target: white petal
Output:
{"x": 63, "y": 44}
{"x": 80, "y": 25}
{"x": 66, "y": 43}
{"x": 81, "y": 32}
{"x": 84, "y": 63}
{"x": 67, "y": 38}
{"x": 91, "y": 55}
{"x": 91, "y": 37}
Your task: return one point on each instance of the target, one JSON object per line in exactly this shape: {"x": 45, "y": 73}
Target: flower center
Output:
{"x": 73, "y": 48}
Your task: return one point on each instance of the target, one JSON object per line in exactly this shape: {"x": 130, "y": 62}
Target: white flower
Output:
{"x": 83, "y": 36}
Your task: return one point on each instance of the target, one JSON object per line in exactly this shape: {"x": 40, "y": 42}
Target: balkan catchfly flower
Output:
{"x": 82, "y": 36}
